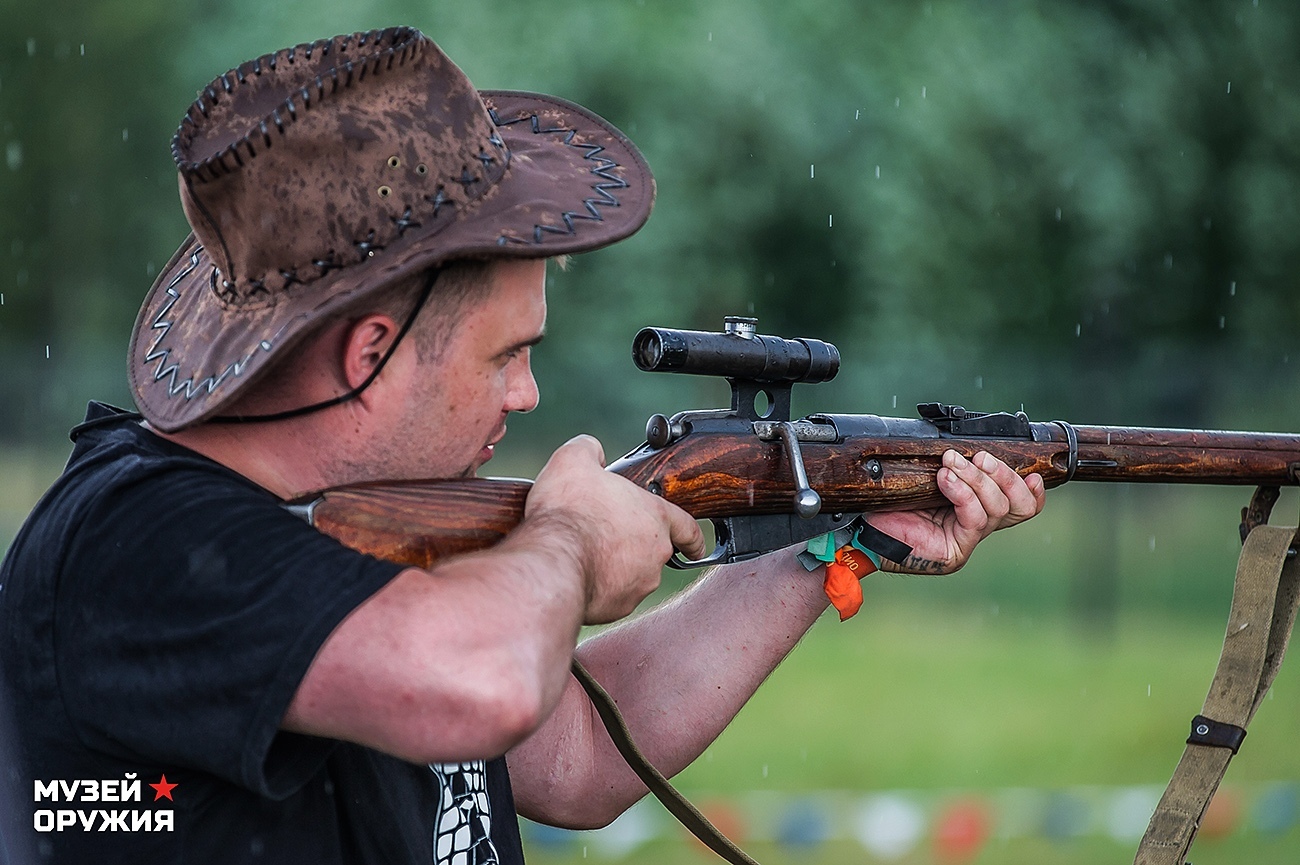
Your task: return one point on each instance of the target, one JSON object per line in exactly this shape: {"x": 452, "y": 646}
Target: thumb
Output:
{"x": 586, "y": 447}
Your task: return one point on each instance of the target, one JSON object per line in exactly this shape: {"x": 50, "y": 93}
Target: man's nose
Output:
{"x": 523, "y": 395}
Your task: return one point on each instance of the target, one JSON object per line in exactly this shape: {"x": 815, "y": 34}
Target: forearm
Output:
{"x": 457, "y": 663}
{"x": 680, "y": 673}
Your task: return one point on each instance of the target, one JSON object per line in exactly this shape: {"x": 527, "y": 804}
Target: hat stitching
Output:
{"x": 602, "y": 168}
{"x": 403, "y": 48}
{"x": 405, "y": 221}
{"x": 172, "y": 371}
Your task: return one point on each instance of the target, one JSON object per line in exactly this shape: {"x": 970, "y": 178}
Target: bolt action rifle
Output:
{"x": 766, "y": 482}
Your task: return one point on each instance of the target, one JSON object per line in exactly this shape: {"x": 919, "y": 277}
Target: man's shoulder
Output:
{"x": 120, "y": 482}
{"x": 118, "y": 450}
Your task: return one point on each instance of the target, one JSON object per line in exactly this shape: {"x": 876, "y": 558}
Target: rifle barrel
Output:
{"x": 1138, "y": 454}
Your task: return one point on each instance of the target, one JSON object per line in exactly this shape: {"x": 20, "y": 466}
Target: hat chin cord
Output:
{"x": 356, "y": 391}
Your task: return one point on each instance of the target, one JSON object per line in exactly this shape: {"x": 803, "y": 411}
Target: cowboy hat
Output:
{"x": 315, "y": 176}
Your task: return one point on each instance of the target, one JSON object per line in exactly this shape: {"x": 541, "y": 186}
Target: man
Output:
{"x": 357, "y": 302}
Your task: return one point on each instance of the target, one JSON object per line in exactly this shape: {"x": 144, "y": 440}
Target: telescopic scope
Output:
{"x": 738, "y": 352}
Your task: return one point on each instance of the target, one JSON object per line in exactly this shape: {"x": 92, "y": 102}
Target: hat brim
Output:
{"x": 574, "y": 183}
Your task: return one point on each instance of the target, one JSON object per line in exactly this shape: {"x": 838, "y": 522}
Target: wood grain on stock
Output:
{"x": 1188, "y": 456}
{"x": 418, "y": 522}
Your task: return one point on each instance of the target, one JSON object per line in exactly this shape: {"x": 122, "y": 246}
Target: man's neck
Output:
{"x": 284, "y": 460}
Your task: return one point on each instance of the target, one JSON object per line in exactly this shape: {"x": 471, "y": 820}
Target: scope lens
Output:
{"x": 649, "y": 350}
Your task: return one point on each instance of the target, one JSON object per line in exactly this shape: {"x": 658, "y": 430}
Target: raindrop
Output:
{"x": 1229, "y": 86}
{"x": 877, "y": 172}
{"x": 1058, "y": 214}
{"x": 47, "y": 352}
{"x": 710, "y": 35}
{"x": 124, "y": 134}
{"x": 812, "y": 171}
{"x": 764, "y": 770}
{"x": 1148, "y": 690}
{"x": 2, "y": 298}
{"x": 14, "y": 155}
{"x": 1232, "y": 289}
{"x": 922, "y": 92}
{"x": 1222, "y": 320}
{"x": 979, "y": 382}
{"x": 1152, "y": 543}
{"x": 31, "y": 47}
{"x": 1169, "y": 261}
{"x": 83, "y": 49}
{"x": 857, "y": 113}
{"x": 148, "y": 269}
{"x": 897, "y": 100}
{"x": 1078, "y": 330}
{"x": 895, "y": 400}
{"x": 830, "y": 220}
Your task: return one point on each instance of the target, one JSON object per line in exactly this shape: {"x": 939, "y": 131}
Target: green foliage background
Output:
{"x": 1085, "y": 207}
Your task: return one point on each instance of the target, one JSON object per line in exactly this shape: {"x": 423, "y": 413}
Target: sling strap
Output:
{"x": 686, "y": 813}
{"x": 1264, "y": 600}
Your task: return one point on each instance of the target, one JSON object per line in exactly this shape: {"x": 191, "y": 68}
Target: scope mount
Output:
{"x": 761, "y": 371}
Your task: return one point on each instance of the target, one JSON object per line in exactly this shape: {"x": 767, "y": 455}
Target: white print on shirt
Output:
{"x": 463, "y": 832}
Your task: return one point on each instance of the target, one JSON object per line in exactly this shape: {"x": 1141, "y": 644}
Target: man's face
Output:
{"x": 457, "y": 403}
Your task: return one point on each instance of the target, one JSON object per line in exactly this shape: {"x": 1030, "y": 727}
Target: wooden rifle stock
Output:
{"x": 767, "y": 482}
{"x": 855, "y": 463}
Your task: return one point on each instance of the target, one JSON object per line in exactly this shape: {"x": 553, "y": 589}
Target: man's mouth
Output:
{"x": 486, "y": 453}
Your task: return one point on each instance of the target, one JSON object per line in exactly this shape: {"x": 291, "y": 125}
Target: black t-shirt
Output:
{"x": 157, "y": 612}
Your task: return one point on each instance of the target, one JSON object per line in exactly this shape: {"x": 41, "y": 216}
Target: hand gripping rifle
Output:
{"x": 766, "y": 482}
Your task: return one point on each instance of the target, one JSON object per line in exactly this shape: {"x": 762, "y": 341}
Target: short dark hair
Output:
{"x": 456, "y": 286}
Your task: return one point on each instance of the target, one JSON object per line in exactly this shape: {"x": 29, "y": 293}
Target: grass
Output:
{"x": 25, "y": 473}
{"x": 946, "y": 703}
{"x": 980, "y": 684}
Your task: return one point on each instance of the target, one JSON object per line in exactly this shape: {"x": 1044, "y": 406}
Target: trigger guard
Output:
{"x": 719, "y": 555}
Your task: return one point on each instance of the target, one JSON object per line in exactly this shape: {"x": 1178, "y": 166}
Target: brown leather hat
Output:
{"x": 316, "y": 175}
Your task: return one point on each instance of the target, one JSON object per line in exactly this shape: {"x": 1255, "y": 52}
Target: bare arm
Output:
{"x": 681, "y": 672}
{"x": 452, "y": 664}
{"x": 464, "y": 661}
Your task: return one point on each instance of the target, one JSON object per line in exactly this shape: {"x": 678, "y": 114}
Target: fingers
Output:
{"x": 987, "y": 494}
{"x": 978, "y": 502}
{"x": 685, "y": 533}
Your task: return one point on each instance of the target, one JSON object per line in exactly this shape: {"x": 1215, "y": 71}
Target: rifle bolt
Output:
{"x": 875, "y": 469}
{"x": 807, "y": 503}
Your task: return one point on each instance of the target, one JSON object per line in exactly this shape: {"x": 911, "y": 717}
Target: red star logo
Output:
{"x": 162, "y": 789}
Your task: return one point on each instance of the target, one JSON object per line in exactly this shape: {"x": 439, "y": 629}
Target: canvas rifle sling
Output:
{"x": 686, "y": 813}
{"x": 1264, "y": 599}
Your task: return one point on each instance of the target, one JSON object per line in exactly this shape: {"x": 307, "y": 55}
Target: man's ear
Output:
{"x": 365, "y": 343}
